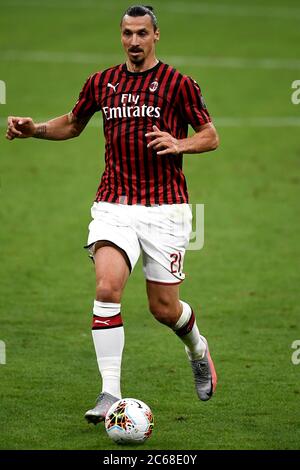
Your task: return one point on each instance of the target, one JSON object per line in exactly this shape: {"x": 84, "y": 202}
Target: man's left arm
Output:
{"x": 205, "y": 139}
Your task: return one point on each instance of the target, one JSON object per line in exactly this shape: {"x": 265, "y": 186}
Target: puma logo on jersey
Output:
{"x": 114, "y": 87}
{"x": 105, "y": 322}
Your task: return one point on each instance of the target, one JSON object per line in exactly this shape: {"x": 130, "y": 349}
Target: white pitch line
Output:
{"x": 236, "y": 62}
{"x": 288, "y": 121}
{"x": 59, "y": 57}
{"x": 268, "y": 63}
{"x": 181, "y": 8}
{"x": 265, "y": 122}
{"x": 232, "y": 10}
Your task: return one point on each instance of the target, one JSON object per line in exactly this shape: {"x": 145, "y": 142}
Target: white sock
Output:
{"x": 108, "y": 337}
{"x": 187, "y": 330}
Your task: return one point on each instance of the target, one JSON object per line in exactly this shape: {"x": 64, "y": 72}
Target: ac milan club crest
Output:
{"x": 153, "y": 86}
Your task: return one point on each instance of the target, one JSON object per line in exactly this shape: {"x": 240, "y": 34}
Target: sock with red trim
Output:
{"x": 108, "y": 337}
{"x": 186, "y": 329}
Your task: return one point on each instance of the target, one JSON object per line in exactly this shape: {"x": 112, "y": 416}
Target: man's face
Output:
{"x": 138, "y": 38}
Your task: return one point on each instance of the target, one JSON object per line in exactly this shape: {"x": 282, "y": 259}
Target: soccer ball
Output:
{"x": 129, "y": 421}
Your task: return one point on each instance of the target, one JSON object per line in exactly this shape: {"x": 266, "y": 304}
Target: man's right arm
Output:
{"x": 60, "y": 128}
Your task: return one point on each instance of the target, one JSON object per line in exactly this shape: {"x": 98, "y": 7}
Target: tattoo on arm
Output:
{"x": 40, "y": 132}
{"x": 77, "y": 123}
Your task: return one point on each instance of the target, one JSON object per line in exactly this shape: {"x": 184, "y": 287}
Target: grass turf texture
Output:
{"x": 243, "y": 285}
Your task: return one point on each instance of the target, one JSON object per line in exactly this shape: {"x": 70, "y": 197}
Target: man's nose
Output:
{"x": 135, "y": 40}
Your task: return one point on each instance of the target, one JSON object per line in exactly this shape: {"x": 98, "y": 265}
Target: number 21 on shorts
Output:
{"x": 176, "y": 259}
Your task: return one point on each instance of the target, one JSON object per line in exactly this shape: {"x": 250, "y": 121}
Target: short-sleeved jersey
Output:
{"x": 131, "y": 103}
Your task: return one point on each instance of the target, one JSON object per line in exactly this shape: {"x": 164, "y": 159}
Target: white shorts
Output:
{"x": 160, "y": 232}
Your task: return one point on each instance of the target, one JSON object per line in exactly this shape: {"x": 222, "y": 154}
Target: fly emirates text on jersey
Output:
{"x": 131, "y": 107}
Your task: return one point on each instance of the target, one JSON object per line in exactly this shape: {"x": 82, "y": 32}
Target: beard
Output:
{"x": 136, "y": 59}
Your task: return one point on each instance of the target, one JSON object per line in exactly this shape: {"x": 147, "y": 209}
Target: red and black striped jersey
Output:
{"x": 131, "y": 103}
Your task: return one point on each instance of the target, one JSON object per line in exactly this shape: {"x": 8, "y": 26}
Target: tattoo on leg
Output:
{"x": 40, "y": 132}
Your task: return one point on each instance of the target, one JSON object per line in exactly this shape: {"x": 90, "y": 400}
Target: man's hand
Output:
{"x": 60, "y": 128}
{"x": 163, "y": 142}
{"x": 205, "y": 139}
{"x": 20, "y": 128}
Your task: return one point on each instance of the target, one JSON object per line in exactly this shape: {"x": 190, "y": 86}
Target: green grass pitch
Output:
{"x": 244, "y": 283}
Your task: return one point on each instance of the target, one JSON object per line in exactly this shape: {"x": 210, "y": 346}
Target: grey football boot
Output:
{"x": 103, "y": 403}
{"x": 204, "y": 374}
